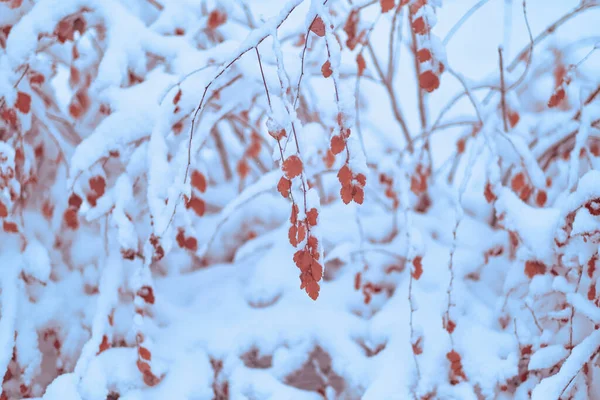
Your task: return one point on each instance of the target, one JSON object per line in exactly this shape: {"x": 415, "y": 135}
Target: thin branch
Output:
{"x": 502, "y": 90}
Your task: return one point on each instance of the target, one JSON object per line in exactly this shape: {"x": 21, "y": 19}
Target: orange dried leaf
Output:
{"x": 71, "y": 219}
{"x": 292, "y": 235}
{"x": 197, "y": 205}
{"x": 143, "y": 367}
{"x": 284, "y": 186}
{"x": 301, "y": 233}
{"x": 146, "y": 293}
{"x": 3, "y": 210}
{"x": 104, "y": 345}
{"x": 317, "y": 270}
{"x": 357, "y": 281}
{"x": 199, "y": 181}
{"x": 418, "y": 268}
{"x": 23, "y": 103}
{"x": 329, "y": 159}
{"x": 533, "y": 268}
{"x": 318, "y": 27}
{"x": 177, "y": 97}
{"x": 518, "y": 182}
{"x": 513, "y": 118}
{"x": 429, "y": 81}
{"x": 10, "y": 227}
{"x": 361, "y": 179}
{"x": 326, "y": 69}
{"x": 311, "y": 216}
{"x": 216, "y": 18}
{"x": 191, "y": 244}
{"x": 387, "y": 5}
{"x": 294, "y": 215}
{"x": 144, "y": 353}
{"x": 98, "y": 185}
{"x": 345, "y": 175}
{"x": 312, "y": 288}
{"x": 419, "y": 26}
{"x": 292, "y": 166}
{"x": 9, "y": 116}
{"x": 557, "y": 97}
{"x": 540, "y": 198}
{"x": 488, "y": 193}
{"x": 423, "y": 55}
{"x": 591, "y": 295}
{"x": 346, "y": 193}
{"x": 361, "y": 64}
{"x": 242, "y": 168}
{"x": 337, "y": 144}
{"x": 358, "y": 195}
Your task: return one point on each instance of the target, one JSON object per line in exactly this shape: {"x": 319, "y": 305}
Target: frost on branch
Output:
{"x": 284, "y": 199}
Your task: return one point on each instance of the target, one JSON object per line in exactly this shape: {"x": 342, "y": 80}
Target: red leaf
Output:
{"x": 143, "y": 367}
{"x": 292, "y": 166}
{"x": 557, "y": 97}
{"x": 10, "y": 227}
{"x": 75, "y": 201}
{"x": 318, "y": 27}
{"x": 429, "y": 81}
{"x": 345, "y": 175}
{"x": 337, "y": 144}
{"x": 301, "y": 233}
{"x": 294, "y": 215}
{"x": 362, "y": 179}
{"x": 191, "y": 244}
{"x": 177, "y": 97}
{"x": 177, "y": 127}
{"x": 23, "y": 103}
{"x": 423, "y": 55}
{"x": 199, "y": 181}
{"x": 9, "y": 116}
{"x": 242, "y": 168}
{"x": 197, "y": 205}
{"x": 71, "y": 219}
{"x": 326, "y": 69}
{"x": 387, "y": 5}
{"x": 146, "y": 293}
{"x": 518, "y": 182}
{"x": 362, "y": 65}
{"x": 346, "y": 193}
{"x": 591, "y": 295}
{"x": 418, "y": 268}
{"x": 533, "y": 268}
{"x": 3, "y": 210}
{"x": 311, "y": 217}
{"x": 98, "y": 185}
{"x": 329, "y": 159}
{"x": 358, "y": 195}
{"x": 292, "y": 235}
{"x": 419, "y": 26}
{"x": 312, "y": 288}
{"x": 513, "y": 118}
{"x": 357, "y": 281}
{"x": 284, "y": 186}
{"x": 104, "y": 345}
{"x": 216, "y": 19}
{"x": 150, "y": 379}
{"x": 488, "y": 193}
{"x": 144, "y": 353}
{"x": 317, "y": 271}
{"x": 541, "y": 198}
